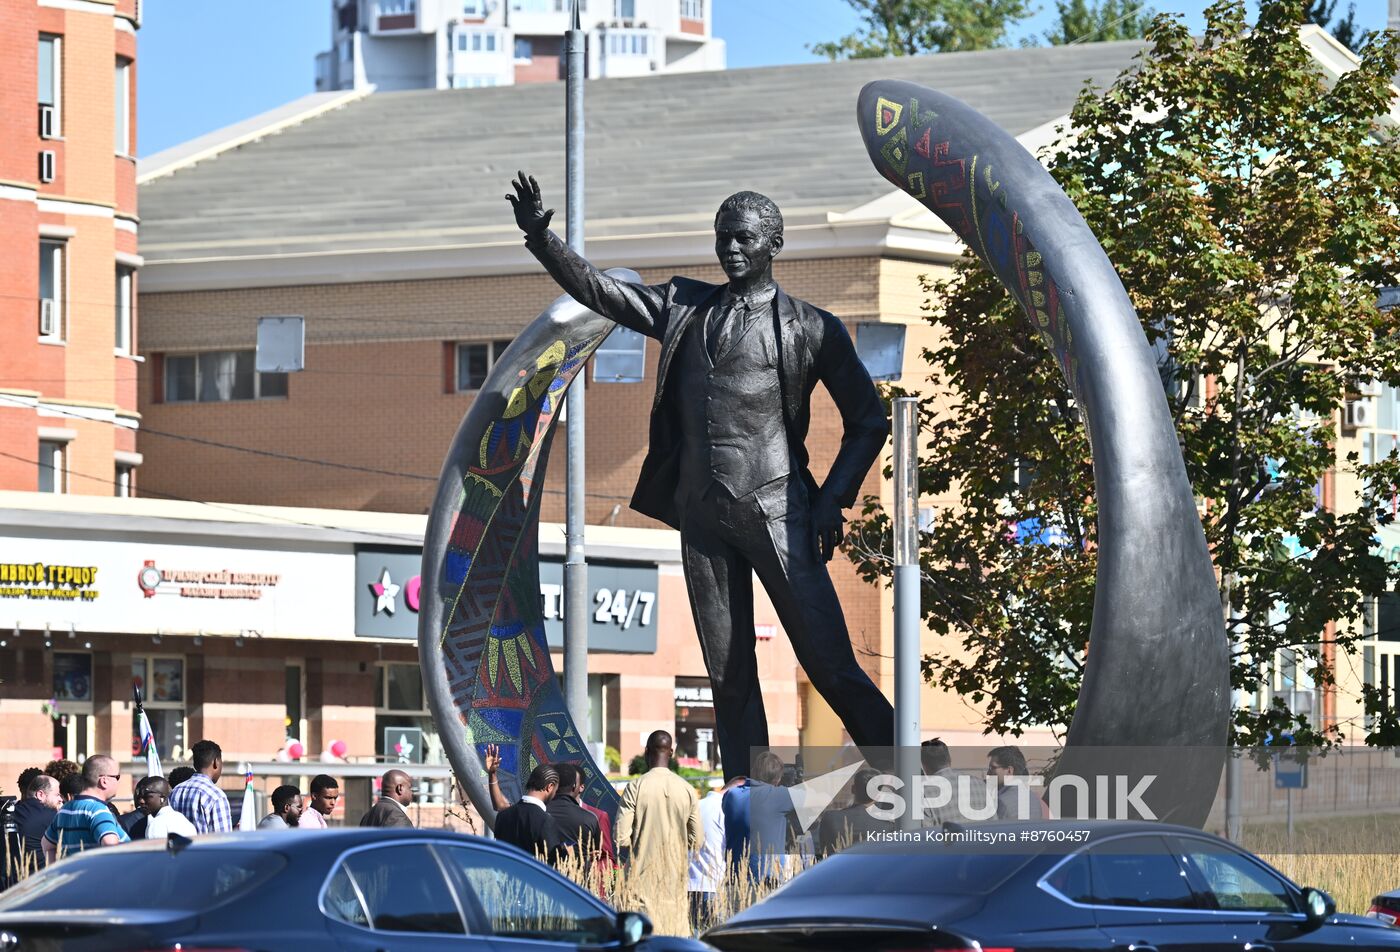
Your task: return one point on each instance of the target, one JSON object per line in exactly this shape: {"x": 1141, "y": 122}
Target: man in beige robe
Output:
{"x": 660, "y": 823}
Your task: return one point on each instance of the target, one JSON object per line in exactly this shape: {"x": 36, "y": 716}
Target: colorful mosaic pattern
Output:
{"x": 920, "y": 154}
{"x": 500, "y": 683}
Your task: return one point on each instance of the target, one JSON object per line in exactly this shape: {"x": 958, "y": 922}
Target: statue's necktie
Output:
{"x": 725, "y": 323}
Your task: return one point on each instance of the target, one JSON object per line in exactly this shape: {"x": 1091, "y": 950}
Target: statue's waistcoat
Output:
{"x": 731, "y": 410}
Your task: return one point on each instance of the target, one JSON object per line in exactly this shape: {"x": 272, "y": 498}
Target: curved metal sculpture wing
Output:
{"x": 481, "y": 637}
{"x": 1158, "y": 666}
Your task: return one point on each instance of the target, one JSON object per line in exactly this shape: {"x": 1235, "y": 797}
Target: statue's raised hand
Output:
{"x": 530, "y": 213}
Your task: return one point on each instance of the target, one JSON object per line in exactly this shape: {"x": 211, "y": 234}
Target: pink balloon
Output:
{"x": 295, "y": 751}
{"x": 339, "y": 747}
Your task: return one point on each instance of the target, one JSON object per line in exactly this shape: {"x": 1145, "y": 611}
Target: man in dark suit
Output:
{"x": 395, "y": 794}
{"x": 727, "y": 459}
{"x": 527, "y": 824}
{"x": 575, "y": 823}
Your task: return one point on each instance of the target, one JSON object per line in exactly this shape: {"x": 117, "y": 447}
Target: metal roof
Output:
{"x": 428, "y": 169}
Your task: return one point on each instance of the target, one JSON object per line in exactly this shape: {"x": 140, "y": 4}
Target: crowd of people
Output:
{"x": 64, "y": 807}
{"x": 678, "y": 847}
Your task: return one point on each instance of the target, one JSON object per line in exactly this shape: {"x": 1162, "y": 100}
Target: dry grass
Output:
{"x": 737, "y": 889}
{"x": 1351, "y": 858}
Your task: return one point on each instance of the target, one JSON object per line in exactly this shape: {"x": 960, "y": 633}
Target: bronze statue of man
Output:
{"x": 727, "y": 462}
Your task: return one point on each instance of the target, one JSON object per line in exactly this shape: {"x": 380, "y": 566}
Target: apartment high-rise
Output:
{"x": 445, "y": 44}
{"x": 68, "y": 257}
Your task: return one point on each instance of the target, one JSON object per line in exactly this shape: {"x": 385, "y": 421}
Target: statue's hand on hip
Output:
{"x": 828, "y": 526}
{"x": 530, "y": 213}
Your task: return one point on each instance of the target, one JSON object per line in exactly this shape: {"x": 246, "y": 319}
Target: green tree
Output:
{"x": 1250, "y": 209}
{"x": 910, "y": 27}
{"x": 1083, "y": 21}
{"x": 1343, "y": 29}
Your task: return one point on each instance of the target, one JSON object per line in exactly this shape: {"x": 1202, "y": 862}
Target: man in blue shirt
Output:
{"x": 756, "y": 819}
{"x": 86, "y": 822}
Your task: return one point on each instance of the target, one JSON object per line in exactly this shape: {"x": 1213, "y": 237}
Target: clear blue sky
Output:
{"x": 204, "y": 66}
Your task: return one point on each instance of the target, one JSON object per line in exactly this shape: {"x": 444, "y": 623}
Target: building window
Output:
{"x": 474, "y": 362}
{"x": 474, "y": 80}
{"x": 693, "y": 9}
{"x": 125, "y": 483}
{"x": 52, "y": 282}
{"x": 219, "y": 376}
{"x": 473, "y": 8}
{"x": 51, "y": 84}
{"x": 395, "y": 8}
{"x": 478, "y": 41}
{"x": 126, "y": 279}
{"x": 629, "y": 44}
{"x": 524, "y": 50}
{"x": 625, "y": 9}
{"x": 121, "y": 106}
{"x": 53, "y": 466}
{"x": 542, "y": 6}
{"x": 403, "y": 726}
{"x": 161, "y": 679}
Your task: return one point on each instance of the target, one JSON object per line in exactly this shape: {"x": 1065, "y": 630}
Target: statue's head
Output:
{"x": 748, "y": 234}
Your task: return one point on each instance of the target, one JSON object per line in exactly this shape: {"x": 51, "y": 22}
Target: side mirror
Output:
{"x": 1317, "y": 905}
{"x": 632, "y": 928}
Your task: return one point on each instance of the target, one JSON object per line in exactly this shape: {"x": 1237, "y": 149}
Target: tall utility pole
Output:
{"x": 575, "y": 565}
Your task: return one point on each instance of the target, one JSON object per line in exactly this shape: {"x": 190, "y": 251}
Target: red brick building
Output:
{"x": 68, "y": 242}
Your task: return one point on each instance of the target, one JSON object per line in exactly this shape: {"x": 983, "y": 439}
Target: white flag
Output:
{"x": 148, "y": 748}
{"x": 248, "y": 816}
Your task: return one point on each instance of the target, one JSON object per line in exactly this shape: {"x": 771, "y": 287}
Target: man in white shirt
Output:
{"x": 707, "y": 862}
{"x": 163, "y": 819}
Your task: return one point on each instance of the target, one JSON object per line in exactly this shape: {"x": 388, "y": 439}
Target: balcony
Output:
{"x": 394, "y": 16}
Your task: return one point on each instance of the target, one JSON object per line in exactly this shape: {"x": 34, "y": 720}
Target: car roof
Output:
{"x": 1097, "y": 830}
{"x": 308, "y": 844}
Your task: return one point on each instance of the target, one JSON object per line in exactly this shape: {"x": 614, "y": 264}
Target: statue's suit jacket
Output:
{"x": 812, "y": 346}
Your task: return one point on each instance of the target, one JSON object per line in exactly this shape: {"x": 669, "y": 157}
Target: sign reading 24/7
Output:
{"x": 622, "y": 616}
{"x": 612, "y": 606}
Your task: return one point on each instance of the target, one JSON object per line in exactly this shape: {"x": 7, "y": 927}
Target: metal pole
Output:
{"x": 1289, "y": 792}
{"x": 575, "y": 565}
{"x": 907, "y": 615}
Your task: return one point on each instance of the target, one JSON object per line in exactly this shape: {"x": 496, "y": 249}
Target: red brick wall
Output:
{"x": 82, "y": 369}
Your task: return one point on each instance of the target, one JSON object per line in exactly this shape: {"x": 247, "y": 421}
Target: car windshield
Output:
{"x": 923, "y": 873}
{"x": 191, "y": 880}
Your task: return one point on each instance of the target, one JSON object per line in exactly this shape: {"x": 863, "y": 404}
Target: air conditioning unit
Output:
{"x": 1359, "y": 414}
{"x": 1369, "y": 388}
{"x": 48, "y": 166}
{"x": 46, "y": 122}
{"x": 48, "y": 318}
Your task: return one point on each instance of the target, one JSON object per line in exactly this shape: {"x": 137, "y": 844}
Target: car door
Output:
{"x": 395, "y": 897}
{"x": 1143, "y": 900}
{"x": 525, "y": 904}
{"x": 1247, "y": 890}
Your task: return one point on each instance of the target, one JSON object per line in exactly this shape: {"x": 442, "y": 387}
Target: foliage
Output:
{"x": 1251, "y": 213}
{"x": 910, "y": 27}
{"x": 1083, "y": 21}
{"x": 1343, "y": 29}
{"x": 612, "y": 759}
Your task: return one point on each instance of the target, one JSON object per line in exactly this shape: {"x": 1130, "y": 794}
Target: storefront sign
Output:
{"x": 204, "y": 583}
{"x": 623, "y": 608}
{"x": 123, "y": 585}
{"x": 41, "y": 580}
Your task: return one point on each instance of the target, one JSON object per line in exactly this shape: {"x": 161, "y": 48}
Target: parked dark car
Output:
{"x": 1149, "y": 887}
{"x": 1386, "y": 908}
{"x": 373, "y": 889}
